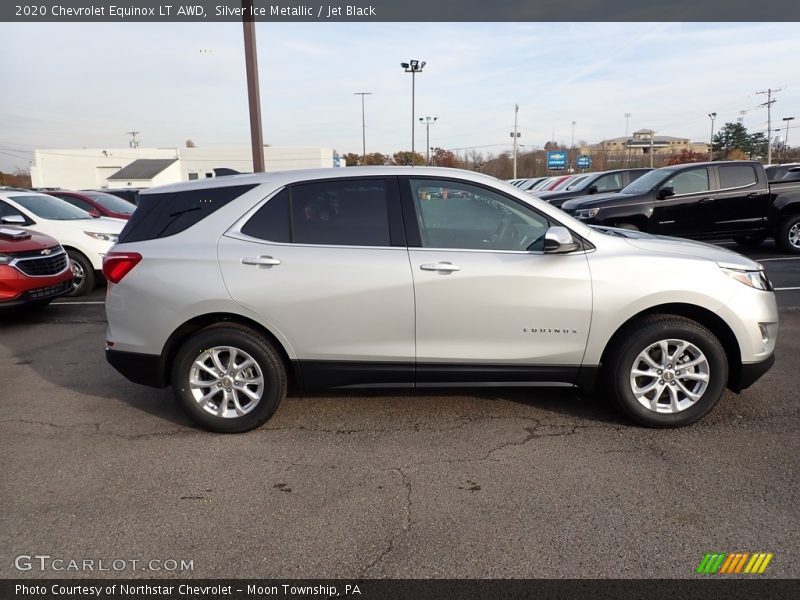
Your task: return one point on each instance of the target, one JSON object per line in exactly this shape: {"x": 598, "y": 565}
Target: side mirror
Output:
{"x": 592, "y": 189}
{"x": 13, "y": 220}
{"x": 559, "y": 240}
{"x": 94, "y": 212}
{"x": 665, "y": 192}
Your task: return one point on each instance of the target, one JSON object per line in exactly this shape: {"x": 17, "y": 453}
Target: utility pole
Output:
{"x": 711, "y": 116}
{"x": 428, "y": 121}
{"x": 134, "y": 143}
{"x": 627, "y": 118}
{"x": 253, "y": 93}
{"x": 363, "y": 126}
{"x": 515, "y": 134}
{"x": 652, "y": 135}
{"x": 770, "y": 101}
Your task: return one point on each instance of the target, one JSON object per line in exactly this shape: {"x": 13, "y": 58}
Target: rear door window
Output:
{"x": 689, "y": 182}
{"x": 734, "y": 176}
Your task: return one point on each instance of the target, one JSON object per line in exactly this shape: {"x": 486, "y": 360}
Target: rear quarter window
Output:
{"x": 163, "y": 215}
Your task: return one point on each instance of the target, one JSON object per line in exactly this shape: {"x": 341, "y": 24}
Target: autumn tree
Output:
{"x": 352, "y": 159}
{"x": 687, "y": 156}
{"x": 444, "y": 158}
{"x": 376, "y": 158}
{"x": 404, "y": 158}
{"x": 19, "y": 179}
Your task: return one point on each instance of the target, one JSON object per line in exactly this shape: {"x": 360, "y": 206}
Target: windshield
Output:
{"x": 576, "y": 184}
{"x": 646, "y": 182}
{"x": 112, "y": 203}
{"x": 48, "y": 207}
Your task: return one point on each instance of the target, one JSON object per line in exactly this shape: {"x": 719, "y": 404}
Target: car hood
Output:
{"x": 99, "y": 225}
{"x": 593, "y": 200}
{"x": 679, "y": 246}
{"x": 32, "y": 240}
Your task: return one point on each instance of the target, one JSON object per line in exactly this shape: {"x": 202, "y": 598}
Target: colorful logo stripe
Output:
{"x": 723, "y": 563}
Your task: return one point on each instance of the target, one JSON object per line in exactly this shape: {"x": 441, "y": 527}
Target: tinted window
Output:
{"x": 458, "y": 215}
{"x": 689, "y": 182}
{"x": 731, "y": 176}
{"x": 162, "y": 215}
{"x": 112, "y": 203}
{"x": 612, "y": 181}
{"x": 6, "y": 210}
{"x": 271, "y": 221}
{"x": 346, "y": 213}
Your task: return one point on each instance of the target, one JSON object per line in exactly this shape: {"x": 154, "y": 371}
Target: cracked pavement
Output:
{"x": 458, "y": 483}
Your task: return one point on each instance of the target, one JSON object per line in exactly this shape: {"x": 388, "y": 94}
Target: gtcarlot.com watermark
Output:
{"x": 47, "y": 563}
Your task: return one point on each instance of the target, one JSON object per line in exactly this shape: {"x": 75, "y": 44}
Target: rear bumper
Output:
{"x": 144, "y": 369}
{"x": 750, "y": 373}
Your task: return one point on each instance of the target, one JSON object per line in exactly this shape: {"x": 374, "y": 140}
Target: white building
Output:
{"x": 116, "y": 168}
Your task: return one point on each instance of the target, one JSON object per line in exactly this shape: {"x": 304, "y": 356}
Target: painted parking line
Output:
{"x": 68, "y": 303}
{"x": 779, "y": 258}
{"x": 786, "y": 289}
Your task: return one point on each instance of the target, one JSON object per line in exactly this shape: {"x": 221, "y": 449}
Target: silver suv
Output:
{"x": 414, "y": 277}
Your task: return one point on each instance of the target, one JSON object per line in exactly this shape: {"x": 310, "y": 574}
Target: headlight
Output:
{"x": 586, "y": 213}
{"x": 754, "y": 279}
{"x": 104, "y": 237}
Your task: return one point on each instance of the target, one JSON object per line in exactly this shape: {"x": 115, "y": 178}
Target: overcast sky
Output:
{"x": 84, "y": 85}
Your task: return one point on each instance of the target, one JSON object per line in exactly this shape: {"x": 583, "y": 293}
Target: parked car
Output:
{"x": 528, "y": 184}
{"x": 554, "y": 182}
{"x": 128, "y": 194}
{"x": 34, "y": 269}
{"x": 602, "y": 182}
{"x": 714, "y": 200}
{"x": 86, "y": 239}
{"x": 98, "y": 204}
{"x": 779, "y": 172}
{"x": 304, "y": 275}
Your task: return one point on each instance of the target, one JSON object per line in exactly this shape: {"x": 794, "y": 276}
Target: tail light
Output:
{"x": 118, "y": 264}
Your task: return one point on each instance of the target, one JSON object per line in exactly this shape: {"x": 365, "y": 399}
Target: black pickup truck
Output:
{"x": 712, "y": 200}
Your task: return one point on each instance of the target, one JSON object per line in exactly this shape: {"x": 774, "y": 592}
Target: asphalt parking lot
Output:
{"x": 465, "y": 483}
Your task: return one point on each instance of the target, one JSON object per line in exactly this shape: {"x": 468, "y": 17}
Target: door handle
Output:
{"x": 753, "y": 195}
{"x": 260, "y": 261}
{"x": 440, "y": 266}
{"x": 706, "y": 200}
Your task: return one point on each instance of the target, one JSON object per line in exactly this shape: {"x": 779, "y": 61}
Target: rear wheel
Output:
{"x": 788, "y": 235}
{"x": 228, "y": 379}
{"x": 666, "y": 371}
{"x": 750, "y": 240}
{"x": 83, "y": 279}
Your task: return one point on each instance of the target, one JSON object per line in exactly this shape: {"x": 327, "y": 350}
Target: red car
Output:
{"x": 34, "y": 269}
{"x": 555, "y": 182}
{"x": 97, "y": 204}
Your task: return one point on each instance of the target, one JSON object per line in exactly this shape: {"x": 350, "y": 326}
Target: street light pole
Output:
{"x": 413, "y": 67}
{"x": 711, "y": 116}
{"x": 253, "y": 94}
{"x": 363, "y": 126}
{"x": 428, "y": 121}
{"x": 515, "y": 134}
{"x": 786, "y": 139}
{"x": 572, "y": 147}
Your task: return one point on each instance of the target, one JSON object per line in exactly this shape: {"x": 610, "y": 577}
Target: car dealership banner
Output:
{"x": 407, "y": 10}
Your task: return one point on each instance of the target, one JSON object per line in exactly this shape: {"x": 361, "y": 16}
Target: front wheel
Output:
{"x": 666, "y": 371}
{"x": 83, "y": 279}
{"x": 228, "y": 378}
{"x": 788, "y": 235}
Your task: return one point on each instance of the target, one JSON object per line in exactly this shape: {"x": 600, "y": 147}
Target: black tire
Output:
{"x": 82, "y": 273}
{"x": 787, "y": 235}
{"x": 751, "y": 240}
{"x": 642, "y": 334}
{"x": 628, "y": 226}
{"x": 244, "y": 340}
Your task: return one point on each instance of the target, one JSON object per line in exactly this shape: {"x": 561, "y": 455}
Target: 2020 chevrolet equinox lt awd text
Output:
{"x": 415, "y": 277}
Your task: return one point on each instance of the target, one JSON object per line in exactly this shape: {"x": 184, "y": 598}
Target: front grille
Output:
{"x": 43, "y": 265}
{"x": 50, "y": 290}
